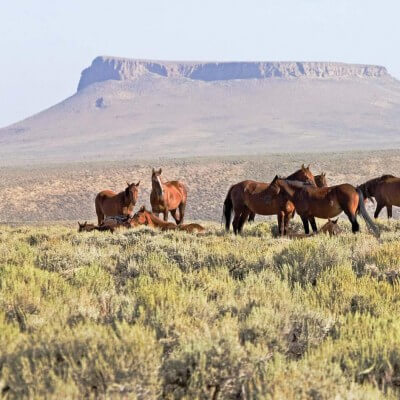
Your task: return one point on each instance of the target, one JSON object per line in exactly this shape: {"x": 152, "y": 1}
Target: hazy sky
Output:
{"x": 46, "y": 43}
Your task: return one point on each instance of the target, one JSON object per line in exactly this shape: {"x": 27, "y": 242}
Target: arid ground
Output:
{"x": 66, "y": 192}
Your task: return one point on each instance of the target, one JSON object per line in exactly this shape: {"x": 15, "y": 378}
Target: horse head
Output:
{"x": 140, "y": 217}
{"x": 82, "y": 227}
{"x": 331, "y": 227}
{"x": 132, "y": 192}
{"x": 156, "y": 181}
{"x": 320, "y": 180}
{"x": 303, "y": 174}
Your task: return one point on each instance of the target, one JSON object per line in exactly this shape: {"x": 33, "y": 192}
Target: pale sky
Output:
{"x": 46, "y": 43}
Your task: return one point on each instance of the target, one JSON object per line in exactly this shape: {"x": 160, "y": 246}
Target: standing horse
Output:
{"x": 110, "y": 204}
{"x": 328, "y": 202}
{"x": 386, "y": 191}
{"x": 168, "y": 196}
{"x": 320, "y": 181}
{"x": 247, "y": 197}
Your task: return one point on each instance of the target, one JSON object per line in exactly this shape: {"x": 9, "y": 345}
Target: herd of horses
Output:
{"x": 301, "y": 192}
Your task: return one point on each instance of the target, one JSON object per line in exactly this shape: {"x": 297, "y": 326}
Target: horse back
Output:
{"x": 389, "y": 191}
{"x": 176, "y": 191}
{"x": 106, "y": 194}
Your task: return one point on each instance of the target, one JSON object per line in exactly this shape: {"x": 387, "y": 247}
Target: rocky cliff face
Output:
{"x": 106, "y": 68}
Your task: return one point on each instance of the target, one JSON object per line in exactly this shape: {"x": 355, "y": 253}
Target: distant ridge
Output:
{"x": 143, "y": 109}
{"x": 105, "y": 68}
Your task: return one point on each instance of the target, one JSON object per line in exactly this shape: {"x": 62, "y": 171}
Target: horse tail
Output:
{"x": 365, "y": 214}
{"x": 227, "y": 210}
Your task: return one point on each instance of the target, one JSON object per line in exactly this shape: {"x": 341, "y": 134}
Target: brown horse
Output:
{"x": 328, "y": 202}
{"x": 85, "y": 227}
{"x": 331, "y": 228}
{"x": 320, "y": 181}
{"x": 109, "y": 203}
{"x": 386, "y": 190}
{"x": 248, "y": 197}
{"x": 144, "y": 217}
{"x": 169, "y": 196}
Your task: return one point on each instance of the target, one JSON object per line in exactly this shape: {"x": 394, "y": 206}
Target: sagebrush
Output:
{"x": 151, "y": 315}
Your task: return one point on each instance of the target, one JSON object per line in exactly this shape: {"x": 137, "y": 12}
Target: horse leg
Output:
{"x": 100, "y": 217}
{"x": 281, "y": 223}
{"x": 389, "y": 210}
{"x": 237, "y": 223}
{"x": 165, "y": 215}
{"x": 355, "y": 227}
{"x": 252, "y": 216}
{"x": 236, "y": 218}
{"x": 379, "y": 207}
{"x": 287, "y": 217}
{"x": 305, "y": 224}
{"x": 243, "y": 218}
{"x": 313, "y": 224}
{"x": 173, "y": 213}
{"x": 181, "y": 207}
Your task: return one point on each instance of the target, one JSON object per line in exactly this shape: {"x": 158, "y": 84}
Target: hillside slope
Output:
{"x": 136, "y": 109}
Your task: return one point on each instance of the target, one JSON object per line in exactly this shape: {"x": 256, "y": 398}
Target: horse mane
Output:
{"x": 298, "y": 184}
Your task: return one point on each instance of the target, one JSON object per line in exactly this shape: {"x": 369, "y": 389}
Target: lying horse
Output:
{"x": 167, "y": 197}
{"x": 85, "y": 227}
{"x": 328, "y": 202}
{"x": 331, "y": 228}
{"x": 144, "y": 217}
{"x": 249, "y": 197}
{"x": 386, "y": 190}
{"x": 109, "y": 203}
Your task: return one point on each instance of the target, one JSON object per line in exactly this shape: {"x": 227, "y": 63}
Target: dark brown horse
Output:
{"x": 144, "y": 217}
{"x": 167, "y": 197}
{"x": 386, "y": 191}
{"x": 312, "y": 202}
{"x": 320, "y": 181}
{"x": 247, "y": 197}
{"x": 85, "y": 227}
{"x": 109, "y": 203}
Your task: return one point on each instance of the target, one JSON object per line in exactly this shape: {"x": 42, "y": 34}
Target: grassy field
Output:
{"x": 66, "y": 192}
{"x": 149, "y": 315}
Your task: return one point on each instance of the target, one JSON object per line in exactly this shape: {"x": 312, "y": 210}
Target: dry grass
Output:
{"x": 149, "y": 315}
{"x": 66, "y": 192}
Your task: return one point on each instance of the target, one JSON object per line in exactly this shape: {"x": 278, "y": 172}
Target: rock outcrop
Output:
{"x": 106, "y": 68}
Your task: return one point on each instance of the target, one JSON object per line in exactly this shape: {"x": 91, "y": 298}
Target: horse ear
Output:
{"x": 143, "y": 208}
{"x": 160, "y": 170}
{"x": 153, "y": 171}
{"x": 85, "y": 223}
{"x": 128, "y": 183}
{"x": 137, "y": 184}
{"x": 308, "y": 167}
{"x": 79, "y": 224}
{"x": 335, "y": 221}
